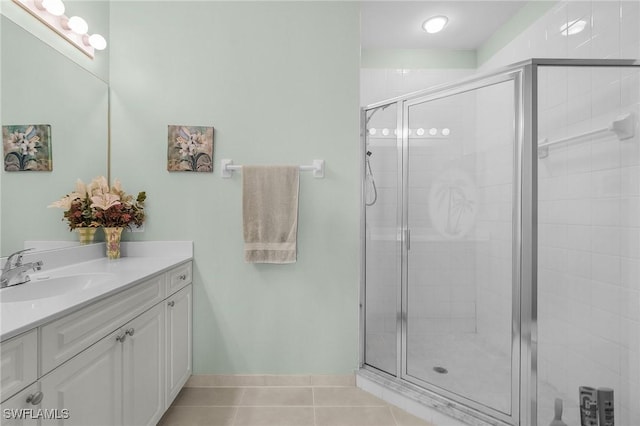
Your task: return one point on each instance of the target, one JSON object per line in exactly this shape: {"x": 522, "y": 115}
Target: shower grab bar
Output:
{"x": 227, "y": 168}
{"x": 623, "y": 127}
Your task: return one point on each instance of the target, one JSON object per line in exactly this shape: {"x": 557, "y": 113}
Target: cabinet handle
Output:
{"x": 183, "y": 277}
{"x": 172, "y": 303}
{"x": 35, "y": 398}
{"x": 130, "y": 331}
{"x": 121, "y": 338}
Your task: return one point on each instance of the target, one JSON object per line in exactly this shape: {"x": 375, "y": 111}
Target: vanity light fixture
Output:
{"x": 97, "y": 41}
{"x": 75, "y": 24}
{"x": 74, "y": 29}
{"x": 54, "y": 7}
{"x": 435, "y": 24}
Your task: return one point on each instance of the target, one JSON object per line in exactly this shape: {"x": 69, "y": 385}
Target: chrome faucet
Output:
{"x": 13, "y": 272}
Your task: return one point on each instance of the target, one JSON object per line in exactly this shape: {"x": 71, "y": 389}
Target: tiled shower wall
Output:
{"x": 589, "y": 223}
{"x": 589, "y": 209}
{"x": 589, "y": 276}
{"x": 612, "y": 31}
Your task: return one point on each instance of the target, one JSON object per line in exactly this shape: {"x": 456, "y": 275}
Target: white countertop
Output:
{"x": 141, "y": 263}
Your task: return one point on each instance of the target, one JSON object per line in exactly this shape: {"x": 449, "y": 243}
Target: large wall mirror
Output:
{"x": 40, "y": 85}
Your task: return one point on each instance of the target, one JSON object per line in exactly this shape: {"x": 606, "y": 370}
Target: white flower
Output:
{"x": 98, "y": 186}
{"x": 65, "y": 202}
{"x": 104, "y": 201}
{"x": 81, "y": 188}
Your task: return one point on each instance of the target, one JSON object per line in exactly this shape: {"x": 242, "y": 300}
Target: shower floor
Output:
{"x": 476, "y": 370}
{"x": 465, "y": 364}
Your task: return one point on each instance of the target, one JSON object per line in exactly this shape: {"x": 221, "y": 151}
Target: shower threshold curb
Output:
{"x": 420, "y": 402}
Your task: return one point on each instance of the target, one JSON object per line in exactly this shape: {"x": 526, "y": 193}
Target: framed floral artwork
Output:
{"x": 190, "y": 149}
{"x": 27, "y": 147}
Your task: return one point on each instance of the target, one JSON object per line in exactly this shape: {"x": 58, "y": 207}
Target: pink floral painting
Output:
{"x": 27, "y": 147}
{"x": 190, "y": 149}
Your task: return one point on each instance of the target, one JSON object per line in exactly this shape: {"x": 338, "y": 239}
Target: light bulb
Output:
{"x": 385, "y": 132}
{"x": 420, "y": 131}
{"x": 446, "y": 132}
{"x": 78, "y": 25}
{"x": 54, "y": 7}
{"x": 372, "y": 131}
{"x": 97, "y": 41}
{"x": 433, "y": 131}
{"x": 435, "y": 24}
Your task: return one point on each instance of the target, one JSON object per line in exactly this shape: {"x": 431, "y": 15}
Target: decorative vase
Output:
{"x": 112, "y": 238}
{"x": 85, "y": 235}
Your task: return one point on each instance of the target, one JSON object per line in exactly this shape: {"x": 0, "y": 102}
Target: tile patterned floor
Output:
{"x": 281, "y": 401}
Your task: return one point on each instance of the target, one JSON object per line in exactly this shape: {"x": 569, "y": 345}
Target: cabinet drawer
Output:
{"x": 18, "y": 363}
{"x": 178, "y": 277}
{"x": 64, "y": 338}
{"x": 14, "y": 409}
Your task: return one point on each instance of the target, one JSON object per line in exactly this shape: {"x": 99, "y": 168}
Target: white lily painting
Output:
{"x": 27, "y": 147}
{"x": 190, "y": 149}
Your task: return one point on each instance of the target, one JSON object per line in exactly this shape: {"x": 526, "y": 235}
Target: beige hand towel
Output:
{"x": 270, "y": 213}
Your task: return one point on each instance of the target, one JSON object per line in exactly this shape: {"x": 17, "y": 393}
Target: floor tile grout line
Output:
{"x": 313, "y": 400}
{"x": 393, "y": 416}
{"x": 237, "y": 409}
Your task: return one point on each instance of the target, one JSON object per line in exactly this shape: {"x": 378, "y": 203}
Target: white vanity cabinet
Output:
{"x": 15, "y": 409}
{"x": 179, "y": 335}
{"x": 143, "y": 368}
{"x": 89, "y": 386}
{"x": 114, "y": 362}
{"x": 19, "y": 363}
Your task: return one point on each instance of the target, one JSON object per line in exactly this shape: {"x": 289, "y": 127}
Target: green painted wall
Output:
{"x": 418, "y": 58}
{"x": 279, "y": 82}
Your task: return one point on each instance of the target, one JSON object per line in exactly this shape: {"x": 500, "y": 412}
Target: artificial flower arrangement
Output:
{"x": 96, "y": 205}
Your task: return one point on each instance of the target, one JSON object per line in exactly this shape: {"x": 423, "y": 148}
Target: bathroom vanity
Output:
{"x": 112, "y": 348}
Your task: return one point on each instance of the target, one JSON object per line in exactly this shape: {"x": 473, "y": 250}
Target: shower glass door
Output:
{"x": 460, "y": 336}
{"x": 382, "y": 245}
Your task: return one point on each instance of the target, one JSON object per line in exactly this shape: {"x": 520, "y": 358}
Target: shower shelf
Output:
{"x": 623, "y": 127}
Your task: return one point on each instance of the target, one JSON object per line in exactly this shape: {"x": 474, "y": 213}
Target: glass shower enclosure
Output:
{"x": 499, "y": 215}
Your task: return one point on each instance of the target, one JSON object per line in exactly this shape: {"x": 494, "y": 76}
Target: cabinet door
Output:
{"x": 179, "y": 335}
{"x": 18, "y": 363}
{"x": 143, "y": 380}
{"x": 88, "y": 386}
{"x": 16, "y": 411}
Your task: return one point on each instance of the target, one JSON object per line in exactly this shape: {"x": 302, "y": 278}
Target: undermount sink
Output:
{"x": 43, "y": 287}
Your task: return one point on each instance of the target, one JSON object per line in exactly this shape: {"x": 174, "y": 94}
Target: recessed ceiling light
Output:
{"x": 573, "y": 27}
{"x": 435, "y": 24}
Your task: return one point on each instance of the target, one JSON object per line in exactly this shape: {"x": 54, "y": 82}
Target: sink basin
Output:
{"x": 42, "y": 288}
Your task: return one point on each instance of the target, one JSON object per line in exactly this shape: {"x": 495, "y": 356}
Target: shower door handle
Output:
{"x": 407, "y": 238}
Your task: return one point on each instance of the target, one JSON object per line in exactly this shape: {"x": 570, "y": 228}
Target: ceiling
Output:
{"x": 397, "y": 24}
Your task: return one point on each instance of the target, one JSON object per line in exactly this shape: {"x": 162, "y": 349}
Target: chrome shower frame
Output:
{"x": 524, "y": 240}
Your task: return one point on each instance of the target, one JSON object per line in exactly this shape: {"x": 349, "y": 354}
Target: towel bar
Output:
{"x": 227, "y": 168}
